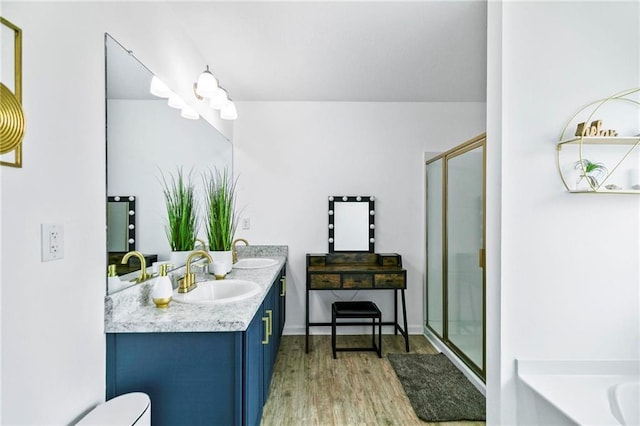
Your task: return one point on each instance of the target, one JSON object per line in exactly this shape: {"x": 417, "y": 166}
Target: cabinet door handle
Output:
{"x": 283, "y": 286}
{"x": 265, "y": 341}
{"x": 270, "y": 314}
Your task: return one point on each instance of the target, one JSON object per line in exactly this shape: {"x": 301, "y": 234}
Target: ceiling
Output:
{"x": 384, "y": 51}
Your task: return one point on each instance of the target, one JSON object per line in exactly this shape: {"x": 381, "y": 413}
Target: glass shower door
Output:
{"x": 464, "y": 247}
{"x": 434, "y": 294}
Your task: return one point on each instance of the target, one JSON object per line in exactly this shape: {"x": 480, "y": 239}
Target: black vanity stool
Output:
{"x": 357, "y": 310}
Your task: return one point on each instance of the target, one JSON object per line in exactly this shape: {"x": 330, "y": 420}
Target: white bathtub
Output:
{"x": 579, "y": 392}
{"x": 624, "y": 399}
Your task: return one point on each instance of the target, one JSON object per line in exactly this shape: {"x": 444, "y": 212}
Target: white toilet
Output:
{"x": 124, "y": 410}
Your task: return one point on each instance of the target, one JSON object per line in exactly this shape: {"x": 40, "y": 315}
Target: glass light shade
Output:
{"x": 176, "y": 101}
{"x": 219, "y": 100}
{"x": 158, "y": 88}
{"x": 229, "y": 111}
{"x": 190, "y": 113}
{"x": 207, "y": 84}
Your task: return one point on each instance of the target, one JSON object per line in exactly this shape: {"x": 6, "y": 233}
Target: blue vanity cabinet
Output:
{"x": 253, "y": 365}
{"x": 200, "y": 378}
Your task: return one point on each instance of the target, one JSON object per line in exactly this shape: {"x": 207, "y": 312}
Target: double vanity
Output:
{"x": 209, "y": 357}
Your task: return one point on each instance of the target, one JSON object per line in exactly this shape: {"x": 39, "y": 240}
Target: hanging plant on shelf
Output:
{"x": 590, "y": 173}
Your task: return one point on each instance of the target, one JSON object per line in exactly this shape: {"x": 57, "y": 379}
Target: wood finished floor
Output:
{"x": 357, "y": 388}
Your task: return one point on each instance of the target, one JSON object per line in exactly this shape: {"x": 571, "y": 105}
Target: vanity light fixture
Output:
{"x": 158, "y": 88}
{"x": 229, "y": 111}
{"x": 207, "y": 85}
{"x": 208, "y": 88}
{"x": 219, "y": 100}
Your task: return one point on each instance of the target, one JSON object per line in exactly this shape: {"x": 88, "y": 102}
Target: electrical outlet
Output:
{"x": 246, "y": 223}
{"x": 52, "y": 242}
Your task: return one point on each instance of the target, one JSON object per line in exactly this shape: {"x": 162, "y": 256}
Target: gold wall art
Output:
{"x": 12, "y": 123}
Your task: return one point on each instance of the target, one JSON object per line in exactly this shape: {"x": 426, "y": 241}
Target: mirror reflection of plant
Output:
{"x": 182, "y": 206}
{"x": 221, "y": 217}
{"x": 591, "y": 171}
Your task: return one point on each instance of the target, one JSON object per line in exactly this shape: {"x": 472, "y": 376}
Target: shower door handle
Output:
{"x": 481, "y": 258}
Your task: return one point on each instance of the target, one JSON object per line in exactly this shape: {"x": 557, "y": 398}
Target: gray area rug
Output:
{"x": 438, "y": 391}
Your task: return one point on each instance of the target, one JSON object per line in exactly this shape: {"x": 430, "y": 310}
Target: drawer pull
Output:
{"x": 283, "y": 286}
{"x": 265, "y": 341}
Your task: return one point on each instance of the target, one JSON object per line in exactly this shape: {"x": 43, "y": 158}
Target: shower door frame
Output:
{"x": 474, "y": 143}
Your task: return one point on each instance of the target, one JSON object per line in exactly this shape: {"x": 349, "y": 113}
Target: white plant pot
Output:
{"x": 225, "y": 257}
{"x": 179, "y": 258}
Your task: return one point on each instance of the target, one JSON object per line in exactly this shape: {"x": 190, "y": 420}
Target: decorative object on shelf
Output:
{"x": 182, "y": 206}
{"x": 594, "y": 130}
{"x": 590, "y": 172}
{"x": 12, "y": 122}
{"x": 621, "y": 153}
{"x": 221, "y": 218}
{"x": 162, "y": 290}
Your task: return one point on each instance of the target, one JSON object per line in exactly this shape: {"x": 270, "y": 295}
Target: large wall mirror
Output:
{"x": 351, "y": 223}
{"x": 145, "y": 137}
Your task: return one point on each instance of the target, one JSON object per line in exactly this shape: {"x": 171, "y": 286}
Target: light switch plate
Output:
{"x": 52, "y": 242}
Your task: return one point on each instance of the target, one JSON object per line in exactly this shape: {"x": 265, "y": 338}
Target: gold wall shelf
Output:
{"x": 618, "y": 150}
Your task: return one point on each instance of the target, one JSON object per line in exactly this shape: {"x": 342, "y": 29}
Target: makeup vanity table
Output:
{"x": 351, "y": 263}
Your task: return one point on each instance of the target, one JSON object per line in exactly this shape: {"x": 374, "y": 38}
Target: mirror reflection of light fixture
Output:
{"x": 158, "y": 88}
{"x": 176, "y": 101}
{"x": 190, "y": 113}
{"x": 207, "y": 85}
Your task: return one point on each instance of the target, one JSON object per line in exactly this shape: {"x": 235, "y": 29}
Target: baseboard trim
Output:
{"x": 365, "y": 329}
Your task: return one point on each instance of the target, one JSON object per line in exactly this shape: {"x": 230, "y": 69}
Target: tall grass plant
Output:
{"x": 182, "y": 210}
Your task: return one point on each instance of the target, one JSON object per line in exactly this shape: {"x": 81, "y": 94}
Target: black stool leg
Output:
{"x": 380, "y": 336}
{"x": 333, "y": 331}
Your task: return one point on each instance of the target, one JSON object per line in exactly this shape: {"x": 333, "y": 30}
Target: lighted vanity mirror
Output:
{"x": 144, "y": 137}
{"x": 351, "y": 223}
{"x": 121, "y": 223}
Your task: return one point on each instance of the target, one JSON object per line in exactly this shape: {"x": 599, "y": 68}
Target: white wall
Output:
{"x": 53, "y": 351}
{"x": 569, "y": 263}
{"x": 290, "y": 156}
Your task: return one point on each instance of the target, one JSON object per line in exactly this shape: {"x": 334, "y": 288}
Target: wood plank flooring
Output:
{"x": 357, "y": 388}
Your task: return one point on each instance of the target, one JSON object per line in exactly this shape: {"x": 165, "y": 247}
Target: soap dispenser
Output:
{"x": 162, "y": 290}
{"x": 113, "y": 280}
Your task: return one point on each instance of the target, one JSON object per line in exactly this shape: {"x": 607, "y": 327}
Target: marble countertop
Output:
{"x": 132, "y": 310}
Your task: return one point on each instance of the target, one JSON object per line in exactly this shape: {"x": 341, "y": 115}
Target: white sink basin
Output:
{"x": 254, "y": 263}
{"x": 220, "y": 291}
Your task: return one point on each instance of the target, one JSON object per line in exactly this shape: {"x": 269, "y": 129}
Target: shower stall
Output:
{"x": 455, "y": 241}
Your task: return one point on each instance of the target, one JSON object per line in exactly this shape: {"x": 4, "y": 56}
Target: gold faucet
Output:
{"x": 143, "y": 264}
{"x": 202, "y": 243}
{"x": 235, "y": 252}
{"x": 188, "y": 282}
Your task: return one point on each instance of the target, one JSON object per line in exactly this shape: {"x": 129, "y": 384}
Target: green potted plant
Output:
{"x": 590, "y": 174}
{"x": 221, "y": 218}
{"x": 182, "y": 219}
